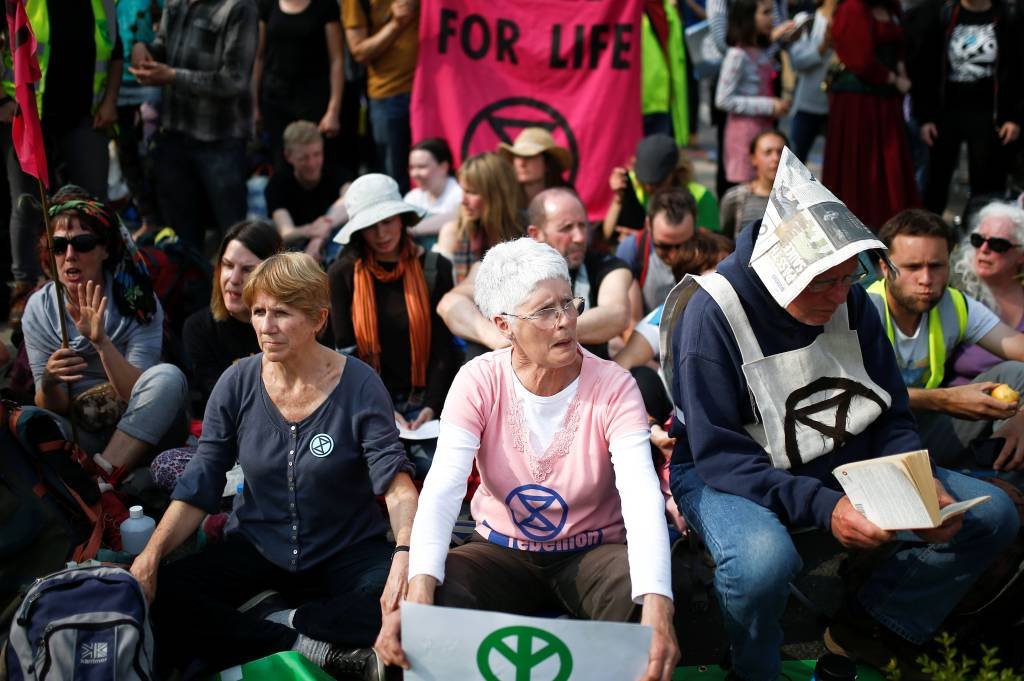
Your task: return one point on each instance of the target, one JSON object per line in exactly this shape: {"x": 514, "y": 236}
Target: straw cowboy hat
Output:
{"x": 372, "y": 198}
{"x": 533, "y": 141}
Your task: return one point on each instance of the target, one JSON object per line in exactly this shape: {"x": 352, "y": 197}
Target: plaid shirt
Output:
{"x": 211, "y": 44}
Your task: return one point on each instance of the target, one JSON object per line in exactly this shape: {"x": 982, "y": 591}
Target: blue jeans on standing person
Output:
{"x": 389, "y": 118}
{"x": 804, "y": 129}
{"x": 200, "y": 184}
{"x": 911, "y": 592}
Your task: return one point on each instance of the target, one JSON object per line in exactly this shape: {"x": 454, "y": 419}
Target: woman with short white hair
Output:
{"x": 987, "y": 266}
{"x": 560, "y": 439}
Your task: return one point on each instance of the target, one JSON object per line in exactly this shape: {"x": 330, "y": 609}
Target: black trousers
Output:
{"x": 195, "y": 614}
{"x": 987, "y": 158}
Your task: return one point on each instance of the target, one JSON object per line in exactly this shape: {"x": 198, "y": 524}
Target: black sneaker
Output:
{"x": 871, "y": 643}
{"x": 264, "y": 604}
{"x": 360, "y": 664}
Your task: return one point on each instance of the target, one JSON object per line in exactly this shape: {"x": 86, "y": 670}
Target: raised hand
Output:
{"x": 88, "y": 306}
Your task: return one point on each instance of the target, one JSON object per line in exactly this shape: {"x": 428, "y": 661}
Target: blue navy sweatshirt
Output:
{"x": 711, "y": 390}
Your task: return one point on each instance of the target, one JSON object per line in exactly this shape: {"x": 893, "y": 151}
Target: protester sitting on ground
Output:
{"x": 108, "y": 383}
{"x": 669, "y": 227}
{"x": 539, "y": 163}
{"x": 432, "y": 171}
{"x": 747, "y": 202}
{"x": 314, "y": 433}
{"x": 743, "y": 482}
{"x": 491, "y": 212}
{"x": 558, "y": 218}
{"x": 299, "y": 70}
{"x": 304, "y": 202}
{"x": 926, "y": 321}
{"x": 218, "y": 336}
{"x": 562, "y": 399}
{"x": 658, "y": 164}
{"x": 988, "y": 265}
{"x": 384, "y": 295}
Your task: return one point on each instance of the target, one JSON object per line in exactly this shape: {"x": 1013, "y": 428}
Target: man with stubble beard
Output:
{"x": 926, "y": 320}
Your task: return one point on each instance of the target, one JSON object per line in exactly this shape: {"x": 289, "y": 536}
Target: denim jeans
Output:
{"x": 200, "y": 184}
{"x": 911, "y": 592}
{"x": 804, "y": 129}
{"x": 389, "y": 118}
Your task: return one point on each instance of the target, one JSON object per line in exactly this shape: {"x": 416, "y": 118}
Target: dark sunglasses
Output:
{"x": 83, "y": 243}
{"x": 995, "y": 243}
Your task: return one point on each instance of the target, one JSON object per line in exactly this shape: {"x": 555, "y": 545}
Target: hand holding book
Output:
{"x": 898, "y": 492}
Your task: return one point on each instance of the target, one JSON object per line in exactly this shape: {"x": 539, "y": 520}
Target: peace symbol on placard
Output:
{"x": 530, "y": 649}
{"x": 506, "y": 117}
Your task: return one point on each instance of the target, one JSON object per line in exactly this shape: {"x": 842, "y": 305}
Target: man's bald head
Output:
{"x": 558, "y": 218}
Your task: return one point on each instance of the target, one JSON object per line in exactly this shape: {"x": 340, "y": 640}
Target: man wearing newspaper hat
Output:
{"x": 780, "y": 372}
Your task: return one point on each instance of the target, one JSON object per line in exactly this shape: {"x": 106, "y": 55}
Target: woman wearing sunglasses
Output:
{"x": 988, "y": 267}
{"x": 124, "y": 403}
{"x": 560, "y": 439}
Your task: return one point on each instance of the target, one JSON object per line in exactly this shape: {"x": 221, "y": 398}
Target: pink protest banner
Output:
{"x": 489, "y": 69}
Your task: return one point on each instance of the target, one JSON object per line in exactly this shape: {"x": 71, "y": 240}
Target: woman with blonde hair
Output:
{"x": 306, "y": 558}
{"x": 491, "y": 212}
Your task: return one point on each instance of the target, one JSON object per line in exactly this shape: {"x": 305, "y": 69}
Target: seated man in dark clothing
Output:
{"x": 305, "y": 204}
{"x": 557, "y": 218}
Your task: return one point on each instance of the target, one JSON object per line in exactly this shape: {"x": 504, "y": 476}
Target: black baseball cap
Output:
{"x": 656, "y": 157}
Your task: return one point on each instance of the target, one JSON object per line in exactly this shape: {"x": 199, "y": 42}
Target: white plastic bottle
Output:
{"x": 136, "y": 531}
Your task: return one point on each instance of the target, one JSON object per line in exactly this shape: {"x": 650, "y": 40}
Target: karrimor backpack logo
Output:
{"x": 93, "y": 653}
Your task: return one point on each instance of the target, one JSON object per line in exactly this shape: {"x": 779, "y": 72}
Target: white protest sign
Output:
{"x": 450, "y": 643}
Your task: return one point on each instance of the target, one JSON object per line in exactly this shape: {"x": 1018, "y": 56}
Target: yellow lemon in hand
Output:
{"x": 1005, "y": 393}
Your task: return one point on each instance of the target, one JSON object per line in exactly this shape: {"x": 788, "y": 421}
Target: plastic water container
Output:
{"x": 136, "y": 531}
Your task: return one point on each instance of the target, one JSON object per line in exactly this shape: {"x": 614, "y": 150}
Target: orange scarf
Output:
{"x": 417, "y": 305}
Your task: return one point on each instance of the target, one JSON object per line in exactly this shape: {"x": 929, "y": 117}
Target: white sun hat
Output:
{"x": 370, "y": 199}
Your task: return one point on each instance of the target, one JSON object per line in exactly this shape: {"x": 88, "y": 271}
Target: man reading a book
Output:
{"x": 927, "y": 321}
{"x": 770, "y": 399}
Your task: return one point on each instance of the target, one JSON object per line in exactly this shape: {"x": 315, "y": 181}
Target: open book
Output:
{"x": 897, "y": 492}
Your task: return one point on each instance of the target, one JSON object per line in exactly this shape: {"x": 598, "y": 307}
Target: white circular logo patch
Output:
{"x": 321, "y": 445}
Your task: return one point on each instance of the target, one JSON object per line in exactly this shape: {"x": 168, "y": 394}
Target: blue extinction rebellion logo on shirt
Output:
{"x": 321, "y": 445}
{"x": 539, "y": 513}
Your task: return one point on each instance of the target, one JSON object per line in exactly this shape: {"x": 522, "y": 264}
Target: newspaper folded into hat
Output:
{"x": 806, "y": 230}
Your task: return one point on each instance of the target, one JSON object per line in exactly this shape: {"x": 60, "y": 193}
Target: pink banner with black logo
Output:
{"x": 489, "y": 69}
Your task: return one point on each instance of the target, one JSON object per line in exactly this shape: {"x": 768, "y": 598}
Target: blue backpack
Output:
{"x": 82, "y": 624}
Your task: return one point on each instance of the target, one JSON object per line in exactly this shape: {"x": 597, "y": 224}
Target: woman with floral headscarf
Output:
{"x": 124, "y": 403}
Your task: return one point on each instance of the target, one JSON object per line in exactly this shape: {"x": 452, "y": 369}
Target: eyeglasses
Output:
{"x": 83, "y": 243}
{"x": 662, "y": 247}
{"x": 822, "y": 285}
{"x": 995, "y": 243}
{"x": 547, "y": 317}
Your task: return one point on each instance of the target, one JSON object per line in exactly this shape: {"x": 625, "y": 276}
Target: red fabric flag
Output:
{"x": 27, "y": 132}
